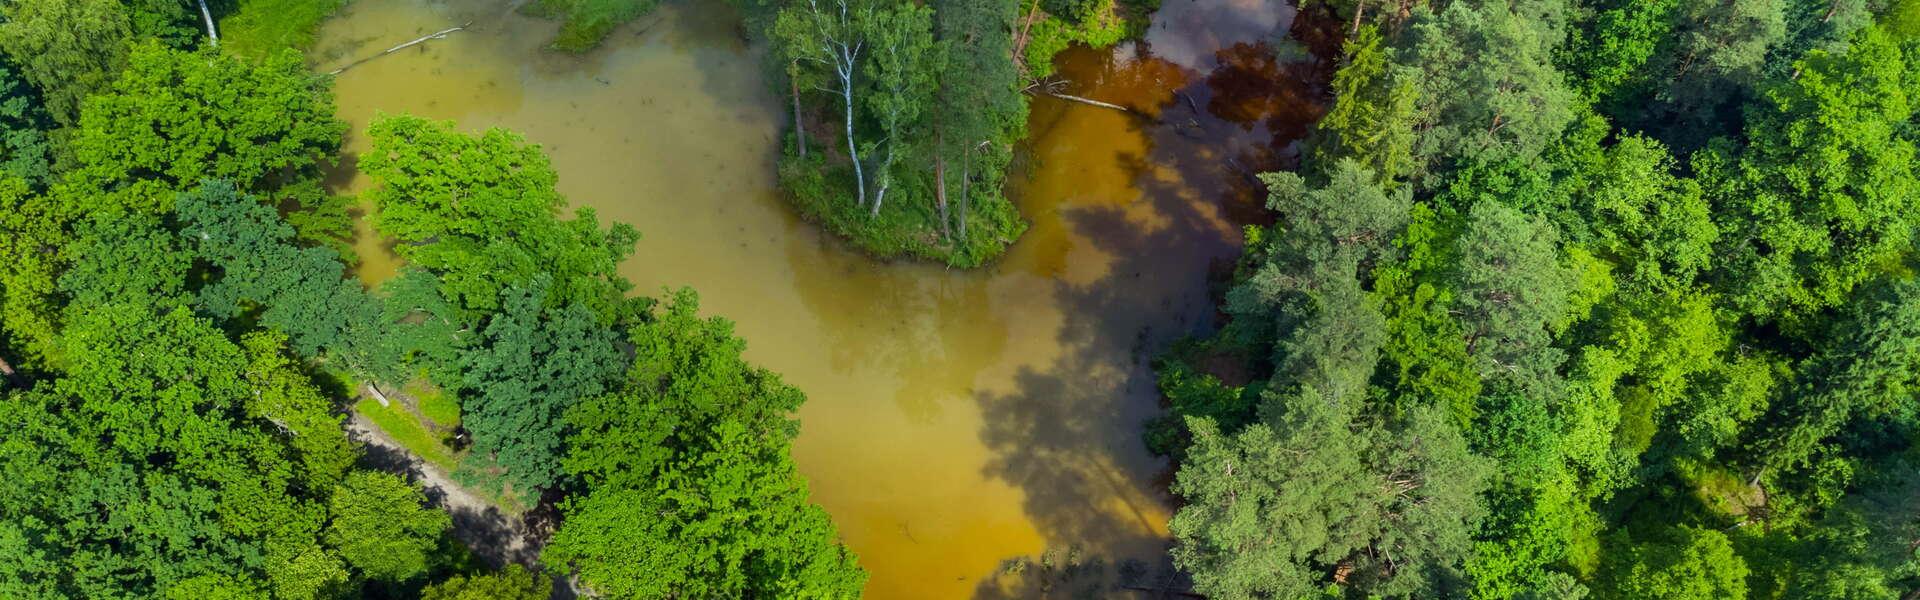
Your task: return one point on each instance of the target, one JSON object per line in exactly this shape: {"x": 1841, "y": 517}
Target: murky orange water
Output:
{"x": 957, "y": 420}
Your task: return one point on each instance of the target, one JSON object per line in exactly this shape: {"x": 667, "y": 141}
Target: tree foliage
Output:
{"x": 1648, "y": 262}
{"x": 524, "y": 369}
{"x": 690, "y": 491}
{"x": 481, "y": 213}
{"x": 1815, "y": 202}
{"x": 69, "y": 49}
{"x": 176, "y": 118}
{"x": 182, "y": 341}
{"x": 379, "y": 524}
{"x": 512, "y": 583}
{"x": 1691, "y": 564}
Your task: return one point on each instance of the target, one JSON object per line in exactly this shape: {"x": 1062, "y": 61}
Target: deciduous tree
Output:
{"x": 689, "y": 487}
{"x": 69, "y": 49}
{"x": 176, "y": 118}
{"x": 381, "y": 525}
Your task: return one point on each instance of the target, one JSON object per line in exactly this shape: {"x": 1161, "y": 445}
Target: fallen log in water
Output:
{"x": 1091, "y": 102}
{"x": 441, "y": 34}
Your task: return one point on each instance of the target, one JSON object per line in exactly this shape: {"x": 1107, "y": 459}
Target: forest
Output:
{"x": 182, "y": 336}
{"x": 1574, "y": 299}
{"x": 1565, "y": 299}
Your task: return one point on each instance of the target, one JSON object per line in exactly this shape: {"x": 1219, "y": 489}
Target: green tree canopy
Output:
{"x": 380, "y": 524}
{"x": 70, "y": 49}
{"x": 303, "y": 292}
{"x": 511, "y": 583}
{"x": 1691, "y": 564}
{"x": 175, "y": 118}
{"x": 25, "y": 151}
{"x": 481, "y": 212}
{"x": 1819, "y": 199}
{"x": 1487, "y": 86}
{"x": 689, "y": 487}
{"x": 524, "y": 369}
{"x": 1270, "y": 514}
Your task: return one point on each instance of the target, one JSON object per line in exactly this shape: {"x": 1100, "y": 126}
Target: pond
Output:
{"x": 957, "y": 422}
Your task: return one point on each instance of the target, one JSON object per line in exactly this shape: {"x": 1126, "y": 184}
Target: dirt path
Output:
{"x": 494, "y": 536}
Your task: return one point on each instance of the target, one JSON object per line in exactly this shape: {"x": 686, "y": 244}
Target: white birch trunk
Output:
{"x": 207, "y": 15}
{"x": 886, "y": 179}
{"x": 853, "y": 149}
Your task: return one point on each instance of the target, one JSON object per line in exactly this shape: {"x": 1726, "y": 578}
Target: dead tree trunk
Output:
{"x": 1090, "y": 102}
{"x": 839, "y": 52}
{"x": 1020, "y": 44}
{"x": 940, "y": 182}
{"x": 1832, "y": 7}
{"x": 845, "y": 53}
{"x": 966, "y": 187}
{"x": 799, "y": 128}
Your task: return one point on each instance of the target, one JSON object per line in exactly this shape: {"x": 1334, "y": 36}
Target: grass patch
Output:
{"x": 584, "y": 23}
{"x": 1724, "y": 492}
{"x": 407, "y": 430}
{"x": 260, "y": 27}
{"x": 439, "y": 408}
{"x": 487, "y": 479}
{"x": 422, "y": 431}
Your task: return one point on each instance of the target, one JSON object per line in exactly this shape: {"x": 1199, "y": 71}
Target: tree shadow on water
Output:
{"x": 1069, "y": 433}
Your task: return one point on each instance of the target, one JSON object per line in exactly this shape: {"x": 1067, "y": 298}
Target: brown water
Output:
{"x": 957, "y": 420}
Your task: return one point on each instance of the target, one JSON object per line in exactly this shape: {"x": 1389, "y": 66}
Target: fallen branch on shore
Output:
{"x": 441, "y": 34}
{"x": 375, "y": 392}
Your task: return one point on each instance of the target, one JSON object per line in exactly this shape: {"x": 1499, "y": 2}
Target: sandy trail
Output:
{"x": 494, "y": 536}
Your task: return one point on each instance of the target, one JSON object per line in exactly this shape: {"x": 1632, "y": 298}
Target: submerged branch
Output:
{"x": 423, "y": 39}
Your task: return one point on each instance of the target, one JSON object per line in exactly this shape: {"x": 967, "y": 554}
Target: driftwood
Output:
{"x": 1090, "y": 102}
{"x": 441, "y": 34}
{"x": 1190, "y": 103}
{"x": 1052, "y": 87}
{"x": 1250, "y": 175}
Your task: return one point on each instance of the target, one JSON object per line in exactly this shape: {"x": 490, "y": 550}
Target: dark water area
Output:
{"x": 1218, "y": 92}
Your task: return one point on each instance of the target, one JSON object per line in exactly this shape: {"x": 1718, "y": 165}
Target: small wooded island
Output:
{"x": 1606, "y": 299}
{"x": 906, "y": 115}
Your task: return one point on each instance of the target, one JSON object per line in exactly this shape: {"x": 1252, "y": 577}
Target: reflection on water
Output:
{"x": 957, "y": 421}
